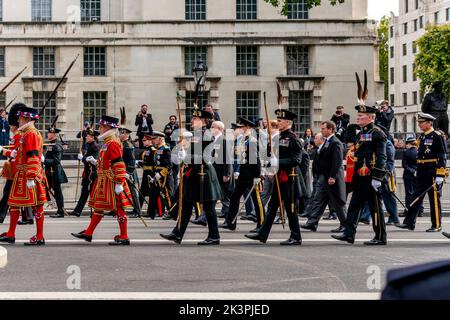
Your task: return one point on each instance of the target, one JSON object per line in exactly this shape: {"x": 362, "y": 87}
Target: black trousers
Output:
{"x": 235, "y": 201}
{"x": 363, "y": 193}
{"x": 59, "y": 198}
{"x": 86, "y": 187}
{"x": 211, "y": 218}
{"x": 425, "y": 178}
{"x": 274, "y": 204}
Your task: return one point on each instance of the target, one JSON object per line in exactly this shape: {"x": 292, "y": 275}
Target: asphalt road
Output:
{"x": 322, "y": 266}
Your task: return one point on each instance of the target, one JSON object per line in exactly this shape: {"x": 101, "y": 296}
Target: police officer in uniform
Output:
{"x": 431, "y": 173}
{"x": 369, "y": 172}
{"x": 90, "y": 170}
{"x": 249, "y": 177}
{"x": 289, "y": 159}
{"x": 200, "y": 182}
{"x": 54, "y": 170}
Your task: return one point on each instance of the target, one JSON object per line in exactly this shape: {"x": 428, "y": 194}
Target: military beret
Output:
{"x": 284, "y": 114}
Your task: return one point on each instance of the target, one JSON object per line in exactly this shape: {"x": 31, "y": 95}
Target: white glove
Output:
{"x": 118, "y": 189}
{"x": 80, "y": 157}
{"x": 256, "y": 181}
{"x": 13, "y": 154}
{"x": 236, "y": 175}
{"x": 274, "y": 162}
{"x": 182, "y": 155}
{"x": 127, "y": 176}
{"x": 137, "y": 163}
{"x": 157, "y": 176}
{"x": 439, "y": 181}
{"x": 1, "y": 149}
{"x": 91, "y": 160}
{"x": 30, "y": 184}
{"x": 376, "y": 184}
{"x": 42, "y": 159}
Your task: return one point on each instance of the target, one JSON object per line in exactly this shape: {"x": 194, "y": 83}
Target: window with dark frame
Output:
{"x": 405, "y": 49}
{"x": 90, "y": 10}
{"x": 405, "y": 99}
{"x": 39, "y": 99}
{"x": 297, "y": 10}
{"x": 414, "y": 94}
{"x": 2, "y": 100}
{"x": 406, "y": 6}
{"x": 191, "y": 55}
{"x": 195, "y": 9}
{"x": 246, "y": 60}
{"x": 41, "y": 10}
{"x": 414, "y": 76}
{"x": 1, "y": 10}
{"x": 300, "y": 102}
{"x": 94, "y": 61}
{"x": 2, "y": 61}
{"x": 43, "y": 61}
{"x": 405, "y": 74}
{"x": 392, "y": 75}
{"x": 297, "y": 60}
{"x": 246, "y": 10}
{"x": 392, "y": 52}
{"x": 392, "y": 98}
{"x": 421, "y": 22}
{"x": 248, "y": 105}
{"x": 405, "y": 28}
{"x": 94, "y": 105}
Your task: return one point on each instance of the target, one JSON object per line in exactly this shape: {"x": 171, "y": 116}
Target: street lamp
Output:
{"x": 200, "y": 70}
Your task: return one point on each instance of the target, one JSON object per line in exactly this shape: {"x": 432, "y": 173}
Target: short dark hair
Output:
{"x": 330, "y": 125}
{"x": 174, "y": 116}
{"x": 339, "y": 107}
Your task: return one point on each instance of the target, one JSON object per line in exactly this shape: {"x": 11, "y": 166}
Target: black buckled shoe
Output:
{"x": 406, "y": 226}
{"x": 209, "y": 241}
{"x": 171, "y": 237}
{"x": 446, "y": 234}
{"x": 291, "y": 242}
{"x": 119, "y": 242}
{"x": 343, "y": 237}
{"x": 75, "y": 214}
{"x": 81, "y": 235}
{"x": 256, "y": 236}
{"x": 35, "y": 242}
{"x": 6, "y": 239}
{"x": 311, "y": 227}
{"x": 228, "y": 226}
{"x": 341, "y": 229}
{"x": 375, "y": 242}
{"x": 434, "y": 229}
{"x": 25, "y": 222}
{"x": 198, "y": 222}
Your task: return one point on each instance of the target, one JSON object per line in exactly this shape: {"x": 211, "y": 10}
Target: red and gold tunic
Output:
{"x": 111, "y": 170}
{"x": 9, "y": 166}
{"x": 29, "y": 167}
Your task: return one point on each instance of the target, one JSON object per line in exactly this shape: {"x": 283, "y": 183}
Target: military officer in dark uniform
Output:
{"x": 369, "y": 172}
{"x": 147, "y": 163}
{"x": 288, "y": 161}
{"x": 90, "y": 170}
{"x": 200, "y": 182}
{"x": 431, "y": 173}
{"x": 249, "y": 177}
{"x": 409, "y": 164}
{"x": 54, "y": 170}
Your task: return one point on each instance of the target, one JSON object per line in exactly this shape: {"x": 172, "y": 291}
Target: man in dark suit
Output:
{"x": 342, "y": 120}
{"x": 330, "y": 188}
{"x": 144, "y": 123}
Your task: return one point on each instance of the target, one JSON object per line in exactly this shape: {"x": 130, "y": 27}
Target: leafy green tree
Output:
{"x": 433, "y": 59}
{"x": 383, "y": 51}
{"x": 310, "y": 3}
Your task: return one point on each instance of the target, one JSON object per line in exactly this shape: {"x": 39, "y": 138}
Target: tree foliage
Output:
{"x": 433, "y": 60}
{"x": 310, "y": 3}
{"x": 383, "y": 52}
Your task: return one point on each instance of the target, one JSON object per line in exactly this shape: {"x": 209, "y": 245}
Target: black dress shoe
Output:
{"x": 375, "y": 242}
{"x": 81, "y": 235}
{"x": 208, "y": 242}
{"x": 291, "y": 242}
{"x": 341, "y": 229}
{"x": 311, "y": 227}
{"x": 446, "y": 234}
{"x": 330, "y": 217}
{"x": 256, "y": 230}
{"x": 433, "y": 229}
{"x": 35, "y": 242}
{"x": 364, "y": 221}
{"x": 225, "y": 225}
{"x": 199, "y": 222}
{"x": 75, "y": 214}
{"x": 119, "y": 242}
{"x": 343, "y": 237}
{"x": 405, "y": 226}
{"x": 171, "y": 237}
{"x": 256, "y": 236}
{"x": 57, "y": 215}
{"x": 25, "y": 222}
{"x": 5, "y": 239}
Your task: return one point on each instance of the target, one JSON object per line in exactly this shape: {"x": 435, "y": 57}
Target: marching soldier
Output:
{"x": 53, "y": 169}
{"x": 369, "y": 173}
{"x": 147, "y": 164}
{"x": 249, "y": 178}
{"x": 111, "y": 191}
{"x": 28, "y": 189}
{"x": 431, "y": 163}
{"x": 289, "y": 159}
{"x": 201, "y": 183}
{"x": 90, "y": 170}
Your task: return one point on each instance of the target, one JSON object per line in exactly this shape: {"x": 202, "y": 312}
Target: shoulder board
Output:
{"x": 439, "y": 132}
